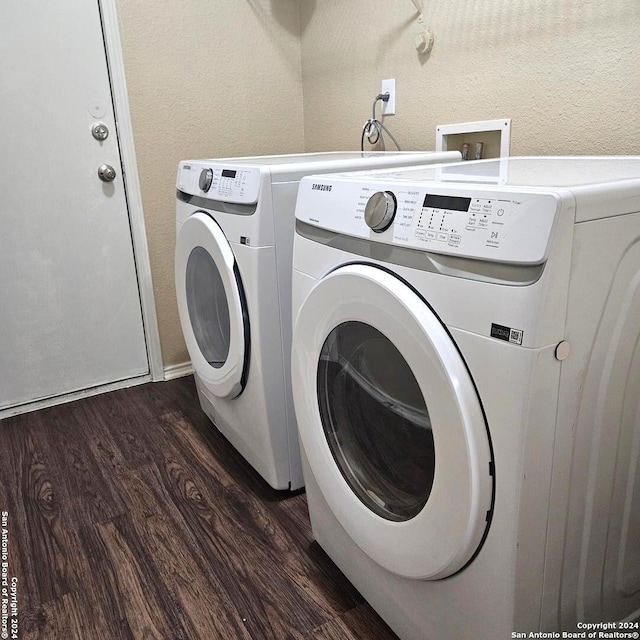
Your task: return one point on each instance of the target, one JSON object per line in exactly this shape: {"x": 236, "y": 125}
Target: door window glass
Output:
{"x": 376, "y": 421}
{"x": 208, "y": 307}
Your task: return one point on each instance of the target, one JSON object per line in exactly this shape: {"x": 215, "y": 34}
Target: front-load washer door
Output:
{"x": 391, "y": 423}
{"x": 212, "y": 306}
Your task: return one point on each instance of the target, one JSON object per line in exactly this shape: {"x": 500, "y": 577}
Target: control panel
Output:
{"x": 236, "y": 184}
{"x": 482, "y": 223}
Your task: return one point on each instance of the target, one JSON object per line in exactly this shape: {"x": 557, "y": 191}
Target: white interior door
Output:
{"x": 70, "y": 315}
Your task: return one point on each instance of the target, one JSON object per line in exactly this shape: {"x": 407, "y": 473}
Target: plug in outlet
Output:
{"x": 389, "y": 86}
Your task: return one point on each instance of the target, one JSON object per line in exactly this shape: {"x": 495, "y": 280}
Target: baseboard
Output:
{"x": 178, "y": 370}
{"x": 170, "y": 373}
{"x": 70, "y": 397}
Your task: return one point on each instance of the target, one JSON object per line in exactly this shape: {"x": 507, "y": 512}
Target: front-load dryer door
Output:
{"x": 212, "y": 306}
{"x": 391, "y": 423}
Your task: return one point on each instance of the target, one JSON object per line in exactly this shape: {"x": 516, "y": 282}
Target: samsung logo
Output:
{"x": 320, "y": 187}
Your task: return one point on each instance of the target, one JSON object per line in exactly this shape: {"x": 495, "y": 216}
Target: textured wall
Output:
{"x": 566, "y": 71}
{"x": 205, "y": 79}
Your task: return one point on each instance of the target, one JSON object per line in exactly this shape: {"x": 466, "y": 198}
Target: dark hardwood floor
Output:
{"x": 130, "y": 516}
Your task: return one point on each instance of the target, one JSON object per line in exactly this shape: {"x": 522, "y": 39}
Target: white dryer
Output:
{"x": 466, "y": 375}
{"x": 235, "y": 220}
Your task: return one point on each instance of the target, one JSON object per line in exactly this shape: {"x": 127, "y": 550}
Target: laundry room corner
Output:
{"x": 204, "y": 80}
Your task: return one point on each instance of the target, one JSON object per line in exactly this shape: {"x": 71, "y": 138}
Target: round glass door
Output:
{"x": 211, "y": 305}
{"x": 391, "y": 423}
{"x": 208, "y": 307}
{"x": 376, "y": 421}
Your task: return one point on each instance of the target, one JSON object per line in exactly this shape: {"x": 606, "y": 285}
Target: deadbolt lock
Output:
{"x": 100, "y": 131}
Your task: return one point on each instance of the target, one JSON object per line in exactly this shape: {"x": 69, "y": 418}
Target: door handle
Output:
{"x": 106, "y": 173}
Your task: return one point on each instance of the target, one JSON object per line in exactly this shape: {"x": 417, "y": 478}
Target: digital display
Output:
{"x": 446, "y": 202}
{"x": 228, "y": 173}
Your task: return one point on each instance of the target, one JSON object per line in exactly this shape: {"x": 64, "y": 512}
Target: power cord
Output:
{"x": 373, "y": 128}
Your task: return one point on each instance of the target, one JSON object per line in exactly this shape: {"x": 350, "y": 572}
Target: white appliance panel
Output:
{"x": 499, "y": 226}
{"x": 229, "y": 183}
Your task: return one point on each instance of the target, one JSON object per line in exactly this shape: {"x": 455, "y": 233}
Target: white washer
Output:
{"x": 466, "y": 380}
{"x": 235, "y": 220}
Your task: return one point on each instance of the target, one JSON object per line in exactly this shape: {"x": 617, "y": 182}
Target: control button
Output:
{"x": 380, "y": 211}
{"x": 443, "y": 237}
{"x": 206, "y": 177}
{"x": 421, "y": 232}
{"x": 472, "y": 222}
{"x": 455, "y": 239}
{"x": 431, "y": 235}
{"x": 500, "y": 212}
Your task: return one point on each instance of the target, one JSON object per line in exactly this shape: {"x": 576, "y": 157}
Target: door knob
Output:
{"x": 106, "y": 173}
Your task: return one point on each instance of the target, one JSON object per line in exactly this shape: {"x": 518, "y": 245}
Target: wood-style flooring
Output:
{"x": 130, "y": 516}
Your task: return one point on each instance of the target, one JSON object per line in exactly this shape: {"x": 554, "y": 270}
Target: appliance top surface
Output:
{"x": 561, "y": 172}
{"x": 239, "y": 180}
{"x": 306, "y": 158}
{"x": 294, "y": 166}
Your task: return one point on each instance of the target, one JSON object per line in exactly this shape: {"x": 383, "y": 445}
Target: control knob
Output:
{"x": 380, "y": 211}
{"x": 206, "y": 178}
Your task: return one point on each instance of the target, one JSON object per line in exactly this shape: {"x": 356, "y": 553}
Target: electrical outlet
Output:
{"x": 389, "y": 86}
